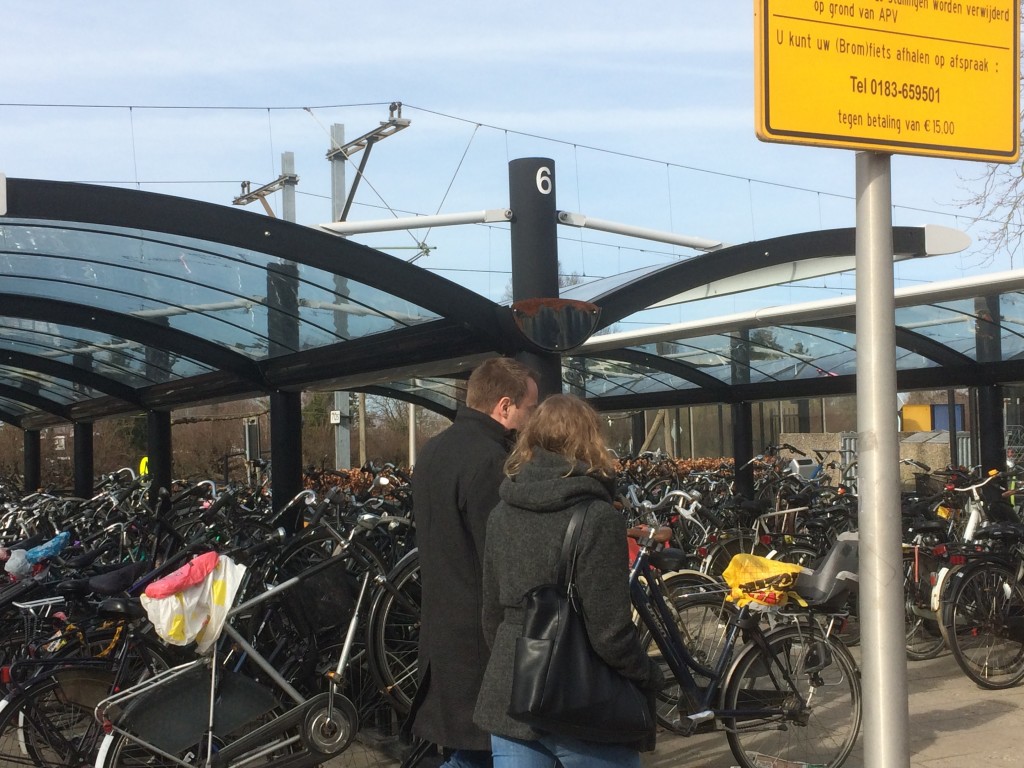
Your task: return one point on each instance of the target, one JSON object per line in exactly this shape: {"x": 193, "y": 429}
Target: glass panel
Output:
{"x": 58, "y": 390}
{"x": 605, "y": 285}
{"x": 951, "y": 324}
{"x": 1012, "y": 310}
{"x": 235, "y": 297}
{"x": 111, "y": 356}
{"x": 14, "y": 407}
{"x": 608, "y": 378}
{"x": 447, "y": 393}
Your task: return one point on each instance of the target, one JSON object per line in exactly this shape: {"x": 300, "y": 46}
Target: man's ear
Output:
{"x": 500, "y": 412}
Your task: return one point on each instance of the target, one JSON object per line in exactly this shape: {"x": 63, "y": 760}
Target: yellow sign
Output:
{"x": 923, "y": 77}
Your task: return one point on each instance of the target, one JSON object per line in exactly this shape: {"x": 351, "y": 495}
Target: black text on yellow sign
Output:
{"x": 925, "y": 77}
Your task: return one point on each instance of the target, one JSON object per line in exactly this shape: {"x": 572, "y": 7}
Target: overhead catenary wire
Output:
{"x": 137, "y": 182}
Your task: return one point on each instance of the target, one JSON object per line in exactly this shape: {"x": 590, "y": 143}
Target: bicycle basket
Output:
{"x": 327, "y": 597}
{"x": 928, "y": 485}
{"x": 760, "y": 580}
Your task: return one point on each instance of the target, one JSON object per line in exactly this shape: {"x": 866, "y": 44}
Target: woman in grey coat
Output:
{"x": 559, "y": 463}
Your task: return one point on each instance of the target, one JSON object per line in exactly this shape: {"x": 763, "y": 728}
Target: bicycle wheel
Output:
{"x": 734, "y": 542}
{"x": 51, "y": 723}
{"x": 801, "y": 701}
{"x": 120, "y": 751}
{"x": 393, "y": 634}
{"x": 702, "y": 620}
{"x": 923, "y": 637}
{"x": 985, "y": 626}
{"x": 49, "y": 720}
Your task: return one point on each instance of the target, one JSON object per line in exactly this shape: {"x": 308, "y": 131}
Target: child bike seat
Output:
{"x": 831, "y": 582}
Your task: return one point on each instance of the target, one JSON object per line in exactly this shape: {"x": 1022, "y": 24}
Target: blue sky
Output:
{"x": 647, "y": 111}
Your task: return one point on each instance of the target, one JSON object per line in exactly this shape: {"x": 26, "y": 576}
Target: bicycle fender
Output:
{"x": 940, "y": 581}
{"x": 101, "y": 753}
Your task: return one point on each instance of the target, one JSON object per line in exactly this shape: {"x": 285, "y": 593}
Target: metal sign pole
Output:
{"x": 884, "y": 664}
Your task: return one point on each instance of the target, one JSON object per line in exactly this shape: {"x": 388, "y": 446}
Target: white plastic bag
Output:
{"x": 197, "y": 612}
{"x": 18, "y": 565}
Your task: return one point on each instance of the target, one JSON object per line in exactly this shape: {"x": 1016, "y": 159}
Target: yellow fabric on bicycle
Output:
{"x": 756, "y": 579}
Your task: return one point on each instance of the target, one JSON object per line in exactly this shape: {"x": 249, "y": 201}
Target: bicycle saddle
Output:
{"x": 1004, "y": 533}
{"x": 110, "y": 583}
{"x": 121, "y": 608}
{"x": 817, "y": 524}
{"x": 83, "y": 559}
{"x": 667, "y": 560}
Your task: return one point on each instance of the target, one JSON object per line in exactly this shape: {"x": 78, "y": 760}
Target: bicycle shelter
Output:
{"x": 117, "y": 301}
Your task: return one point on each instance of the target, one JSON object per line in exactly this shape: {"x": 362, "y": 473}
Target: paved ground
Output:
{"x": 953, "y": 724}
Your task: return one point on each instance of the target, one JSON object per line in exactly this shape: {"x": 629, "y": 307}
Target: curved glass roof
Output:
{"x": 240, "y": 298}
{"x": 793, "y": 351}
{"x": 116, "y": 301}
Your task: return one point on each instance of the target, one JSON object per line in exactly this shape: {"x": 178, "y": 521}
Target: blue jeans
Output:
{"x": 548, "y": 751}
{"x": 468, "y": 758}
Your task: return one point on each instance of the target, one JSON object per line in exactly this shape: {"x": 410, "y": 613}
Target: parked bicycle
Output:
{"x": 788, "y": 695}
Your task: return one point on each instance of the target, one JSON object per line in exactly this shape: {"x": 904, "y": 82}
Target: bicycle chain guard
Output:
{"x": 329, "y": 727}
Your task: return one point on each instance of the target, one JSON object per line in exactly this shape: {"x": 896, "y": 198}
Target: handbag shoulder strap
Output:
{"x": 569, "y": 544}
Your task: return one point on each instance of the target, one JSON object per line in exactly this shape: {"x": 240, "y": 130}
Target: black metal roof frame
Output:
{"x": 467, "y": 328}
{"x": 468, "y": 324}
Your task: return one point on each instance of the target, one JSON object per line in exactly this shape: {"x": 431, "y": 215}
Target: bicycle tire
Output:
{"x": 798, "y": 554}
{"x": 393, "y": 632}
{"x": 689, "y": 582}
{"x": 119, "y": 751}
{"x": 730, "y": 543}
{"x": 50, "y": 722}
{"x": 924, "y": 639}
{"x": 702, "y": 621}
{"x": 984, "y": 624}
{"x": 822, "y": 672}
{"x": 51, "y": 714}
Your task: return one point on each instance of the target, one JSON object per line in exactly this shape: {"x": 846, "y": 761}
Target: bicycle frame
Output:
{"x": 331, "y": 712}
{"x": 656, "y": 615}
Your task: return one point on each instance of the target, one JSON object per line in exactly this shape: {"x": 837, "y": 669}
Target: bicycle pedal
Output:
{"x": 699, "y": 722}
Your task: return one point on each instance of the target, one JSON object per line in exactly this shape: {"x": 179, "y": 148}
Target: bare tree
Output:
{"x": 999, "y": 201}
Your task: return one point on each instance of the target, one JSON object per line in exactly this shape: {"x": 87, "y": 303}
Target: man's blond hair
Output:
{"x": 497, "y": 378}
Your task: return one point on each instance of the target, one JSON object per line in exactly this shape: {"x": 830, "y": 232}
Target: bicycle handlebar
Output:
{"x": 276, "y": 538}
{"x": 920, "y": 465}
{"x": 770, "y": 449}
{"x": 974, "y": 488}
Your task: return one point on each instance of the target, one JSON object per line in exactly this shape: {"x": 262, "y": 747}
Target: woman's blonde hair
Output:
{"x": 565, "y": 425}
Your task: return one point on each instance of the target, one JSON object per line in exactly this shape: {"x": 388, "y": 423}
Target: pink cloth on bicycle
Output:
{"x": 190, "y": 574}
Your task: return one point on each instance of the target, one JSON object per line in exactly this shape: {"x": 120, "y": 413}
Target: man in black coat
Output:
{"x": 455, "y": 487}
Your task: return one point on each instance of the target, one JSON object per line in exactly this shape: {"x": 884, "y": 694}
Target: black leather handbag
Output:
{"x": 560, "y": 685}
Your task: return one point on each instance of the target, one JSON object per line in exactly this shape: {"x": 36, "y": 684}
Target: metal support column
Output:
{"x": 33, "y": 469}
{"x": 342, "y": 404}
{"x": 83, "y": 460}
{"x": 158, "y": 452}
{"x": 988, "y": 333}
{"x": 884, "y": 659}
{"x": 285, "y": 451}
{"x": 954, "y": 448}
{"x": 288, "y": 183}
{"x": 637, "y": 431}
{"x": 991, "y": 430}
{"x": 285, "y": 407}
{"x": 742, "y": 414}
{"x": 534, "y": 246}
{"x": 743, "y": 447}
